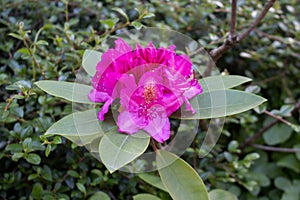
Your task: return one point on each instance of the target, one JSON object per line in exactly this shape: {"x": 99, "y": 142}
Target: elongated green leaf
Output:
{"x": 220, "y": 103}
{"x": 153, "y": 180}
{"x": 80, "y": 127}
{"x": 119, "y": 10}
{"x": 222, "y": 82}
{"x": 145, "y": 197}
{"x": 116, "y": 150}
{"x": 180, "y": 178}
{"x": 90, "y": 60}
{"x": 74, "y": 92}
{"x": 221, "y": 195}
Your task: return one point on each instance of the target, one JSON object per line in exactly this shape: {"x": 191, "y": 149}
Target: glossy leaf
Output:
{"x": 116, "y": 149}
{"x": 99, "y": 196}
{"x": 90, "y": 60}
{"x": 67, "y": 90}
{"x": 221, "y": 195}
{"x": 33, "y": 158}
{"x": 153, "y": 180}
{"x": 290, "y": 162}
{"x": 145, "y": 197}
{"x": 220, "y": 103}
{"x": 222, "y": 82}
{"x": 277, "y": 134}
{"x": 37, "y": 190}
{"x": 179, "y": 178}
{"x": 121, "y": 12}
{"x": 80, "y": 127}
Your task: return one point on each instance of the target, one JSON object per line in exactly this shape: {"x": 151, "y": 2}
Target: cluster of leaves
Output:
{"x": 47, "y": 39}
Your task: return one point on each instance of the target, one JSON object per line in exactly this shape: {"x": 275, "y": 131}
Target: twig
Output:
{"x": 67, "y": 11}
{"x": 233, "y": 19}
{"x": 277, "y": 117}
{"x": 257, "y": 20}
{"x": 272, "y": 37}
{"x": 261, "y": 131}
{"x": 35, "y": 63}
{"x": 276, "y": 149}
{"x": 217, "y": 53}
{"x": 251, "y": 139}
{"x": 153, "y": 145}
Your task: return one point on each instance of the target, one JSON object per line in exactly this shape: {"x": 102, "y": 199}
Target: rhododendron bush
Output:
{"x": 129, "y": 98}
{"x": 149, "y": 100}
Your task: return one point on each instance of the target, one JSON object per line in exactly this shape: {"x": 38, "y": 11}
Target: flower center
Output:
{"x": 149, "y": 93}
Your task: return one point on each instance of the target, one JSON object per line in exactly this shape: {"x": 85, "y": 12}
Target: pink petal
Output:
{"x": 96, "y": 96}
{"x": 188, "y": 105}
{"x": 159, "y": 125}
{"x": 159, "y": 134}
{"x": 126, "y": 123}
{"x": 127, "y": 89}
{"x": 194, "y": 89}
{"x": 122, "y": 46}
{"x": 104, "y": 109}
{"x": 183, "y": 65}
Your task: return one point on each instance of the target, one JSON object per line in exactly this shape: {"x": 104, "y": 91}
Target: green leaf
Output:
{"x": 17, "y": 156}
{"x": 14, "y": 148}
{"x": 73, "y": 173}
{"x": 80, "y": 127}
{"x": 74, "y": 92}
{"x": 120, "y": 11}
{"x": 33, "y": 176}
{"x": 153, "y": 180}
{"x": 37, "y": 190}
{"x": 251, "y": 156}
{"x": 46, "y": 173}
{"x": 221, "y": 195}
{"x": 222, "y": 82}
{"x": 99, "y": 196}
{"x": 42, "y": 42}
{"x": 277, "y": 134}
{"x": 90, "y": 60}
{"x": 15, "y": 36}
{"x": 81, "y": 187}
{"x": 109, "y": 23}
{"x": 145, "y": 197}
{"x": 148, "y": 15}
{"x": 33, "y": 158}
{"x": 137, "y": 25}
{"x": 116, "y": 150}
{"x": 180, "y": 178}
{"x": 57, "y": 140}
{"x": 220, "y": 103}
{"x": 289, "y": 162}
{"x": 282, "y": 183}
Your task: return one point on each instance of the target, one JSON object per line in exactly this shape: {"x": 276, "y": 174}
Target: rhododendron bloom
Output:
{"x": 150, "y": 83}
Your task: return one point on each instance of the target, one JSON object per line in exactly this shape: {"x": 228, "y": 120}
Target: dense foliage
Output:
{"x": 46, "y": 40}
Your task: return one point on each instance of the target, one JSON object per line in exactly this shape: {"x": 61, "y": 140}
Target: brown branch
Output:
{"x": 251, "y": 139}
{"x": 233, "y": 19}
{"x": 257, "y": 135}
{"x": 276, "y": 149}
{"x": 271, "y": 37}
{"x": 277, "y": 117}
{"x": 153, "y": 145}
{"x": 218, "y": 52}
{"x": 257, "y": 20}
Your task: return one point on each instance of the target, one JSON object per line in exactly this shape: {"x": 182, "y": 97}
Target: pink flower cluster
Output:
{"x": 150, "y": 83}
